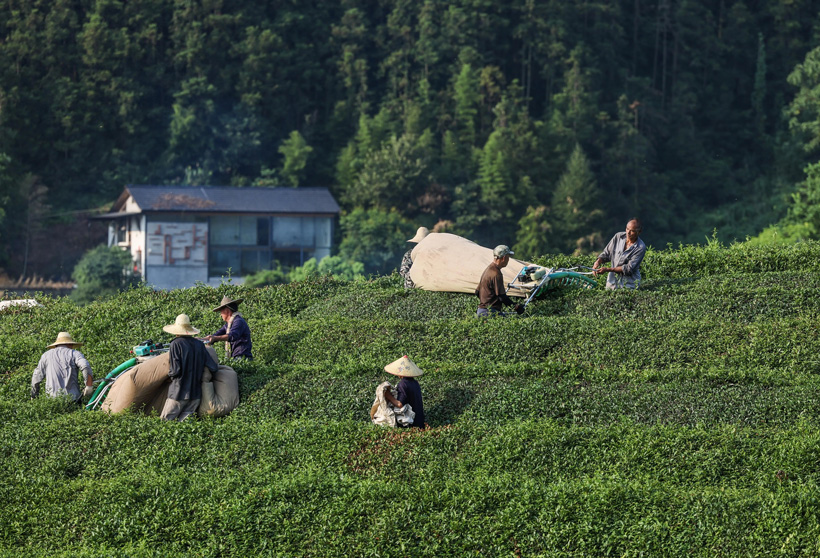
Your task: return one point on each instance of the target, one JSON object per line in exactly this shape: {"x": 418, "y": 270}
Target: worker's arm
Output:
{"x": 605, "y": 256}
{"x": 219, "y": 335}
{"x": 388, "y": 394}
{"x": 37, "y": 378}
{"x": 82, "y": 363}
{"x": 500, "y": 290}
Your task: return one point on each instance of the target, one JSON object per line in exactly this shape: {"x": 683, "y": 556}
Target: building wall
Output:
{"x": 176, "y": 254}
{"x": 179, "y": 277}
{"x": 180, "y": 250}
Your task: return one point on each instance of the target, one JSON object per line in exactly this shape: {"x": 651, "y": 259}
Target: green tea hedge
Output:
{"x": 681, "y": 419}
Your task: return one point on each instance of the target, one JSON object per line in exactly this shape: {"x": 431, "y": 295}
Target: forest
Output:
{"x": 544, "y": 125}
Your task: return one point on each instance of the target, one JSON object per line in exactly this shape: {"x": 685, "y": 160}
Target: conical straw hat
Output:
{"x": 64, "y": 338}
{"x": 181, "y": 326}
{"x": 403, "y": 367}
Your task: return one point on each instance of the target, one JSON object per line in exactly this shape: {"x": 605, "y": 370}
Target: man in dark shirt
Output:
{"x": 188, "y": 358}
{"x": 491, "y": 292}
{"x": 408, "y": 391}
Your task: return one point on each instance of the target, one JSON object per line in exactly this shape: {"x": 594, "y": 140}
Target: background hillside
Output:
{"x": 681, "y": 419}
{"x": 544, "y": 125}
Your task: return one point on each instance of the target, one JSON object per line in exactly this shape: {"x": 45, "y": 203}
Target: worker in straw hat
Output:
{"x": 235, "y": 333}
{"x": 408, "y": 391}
{"x": 407, "y": 260}
{"x": 59, "y": 366}
{"x": 188, "y": 358}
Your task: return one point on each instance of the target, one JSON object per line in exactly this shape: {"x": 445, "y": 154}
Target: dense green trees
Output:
{"x": 463, "y": 112}
{"x": 102, "y": 272}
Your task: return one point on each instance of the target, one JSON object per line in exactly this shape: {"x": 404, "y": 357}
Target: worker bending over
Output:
{"x": 59, "y": 366}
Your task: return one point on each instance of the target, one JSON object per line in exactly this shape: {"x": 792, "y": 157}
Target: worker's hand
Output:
{"x": 519, "y": 309}
{"x": 88, "y": 391}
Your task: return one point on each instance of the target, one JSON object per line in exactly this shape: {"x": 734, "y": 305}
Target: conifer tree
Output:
{"x": 576, "y": 206}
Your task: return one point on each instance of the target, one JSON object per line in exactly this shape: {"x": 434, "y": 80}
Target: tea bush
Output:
{"x": 681, "y": 419}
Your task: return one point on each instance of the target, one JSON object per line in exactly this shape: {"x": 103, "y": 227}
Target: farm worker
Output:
{"x": 187, "y": 359}
{"x": 490, "y": 290}
{"x": 407, "y": 260}
{"x": 408, "y": 390}
{"x": 626, "y": 251}
{"x": 60, "y": 366}
{"x": 235, "y": 333}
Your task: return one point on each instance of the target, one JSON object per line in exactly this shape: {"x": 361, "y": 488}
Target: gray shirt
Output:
{"x": 628, "y": 259}
{"x": 59, "y": 367}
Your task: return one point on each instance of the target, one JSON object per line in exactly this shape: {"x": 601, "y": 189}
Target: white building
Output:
{"x": 181, "y": 235}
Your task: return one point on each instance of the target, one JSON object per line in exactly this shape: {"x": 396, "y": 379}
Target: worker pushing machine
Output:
{"x": 492, "y": 294}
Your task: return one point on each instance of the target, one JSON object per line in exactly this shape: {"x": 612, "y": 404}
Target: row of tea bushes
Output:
{"x": 83, "y": 481}
{"x": 681, "y": 419}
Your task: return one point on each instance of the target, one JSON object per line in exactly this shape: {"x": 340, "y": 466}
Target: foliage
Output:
{"x": 576, "y": 207}
{"x": 375, "y": 237}
{"x": 463, "y": 111}
{"x": 102, "y": 272}
{"x": 674, "y": 420}
{"x": 331, "y": 265}
{"x": 295, "y": 152}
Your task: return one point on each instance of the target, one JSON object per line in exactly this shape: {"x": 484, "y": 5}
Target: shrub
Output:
{"x": 102, "y": 272}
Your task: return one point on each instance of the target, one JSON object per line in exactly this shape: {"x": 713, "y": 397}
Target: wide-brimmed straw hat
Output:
{"x": 64, "y": 338}
{"x": 228, "y": 302}
{"x": 403, "y": 367}
{"x": 181, "y": 326}
{"x": 420, "y": 234}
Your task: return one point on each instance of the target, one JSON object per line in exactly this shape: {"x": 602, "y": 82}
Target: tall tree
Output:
{"x": 576, "y": 207}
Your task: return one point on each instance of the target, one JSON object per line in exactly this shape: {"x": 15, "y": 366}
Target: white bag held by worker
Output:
{"x": 384, "y": 413}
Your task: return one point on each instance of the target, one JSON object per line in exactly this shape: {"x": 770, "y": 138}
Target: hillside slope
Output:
{"x": 679, "y": 419}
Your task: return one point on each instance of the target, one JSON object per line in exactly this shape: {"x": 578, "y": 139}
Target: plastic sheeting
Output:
{"x": 451, "y": 263}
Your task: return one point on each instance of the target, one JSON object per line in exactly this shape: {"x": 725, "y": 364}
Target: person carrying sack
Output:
{"x": 235, "y": 333}
{"x": 188, "y": 358}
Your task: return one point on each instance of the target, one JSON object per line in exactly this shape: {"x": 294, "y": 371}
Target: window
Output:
{"x": 250, "y": 244}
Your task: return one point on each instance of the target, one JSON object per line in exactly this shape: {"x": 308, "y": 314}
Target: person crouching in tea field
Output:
{"x": 59, "y": 366}
{"x": 235, "y": 333}
{"x": 408, "y": 391}
{"x": 188, "y": 358}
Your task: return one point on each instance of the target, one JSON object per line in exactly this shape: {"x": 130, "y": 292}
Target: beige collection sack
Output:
{"x": 145, "y": 387}
{"x": 220, "y": 392}
{"x": 451, "y": 263}
{"x": 142, "y": 387}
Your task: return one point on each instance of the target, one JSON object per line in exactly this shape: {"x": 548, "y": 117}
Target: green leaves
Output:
{"x": 674, "y": 420}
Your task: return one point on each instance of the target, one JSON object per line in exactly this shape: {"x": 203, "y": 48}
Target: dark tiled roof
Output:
{"x": 231, "y": 199}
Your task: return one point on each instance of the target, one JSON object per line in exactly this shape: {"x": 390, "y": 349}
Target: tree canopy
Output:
{"x": 693, "y": 115}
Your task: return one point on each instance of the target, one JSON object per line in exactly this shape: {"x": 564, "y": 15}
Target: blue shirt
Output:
{"x": 239, "y": 337}
{"x": 409, "y": 393}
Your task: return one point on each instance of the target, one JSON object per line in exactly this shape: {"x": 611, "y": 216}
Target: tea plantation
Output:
{"x": 682, "y": 419}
